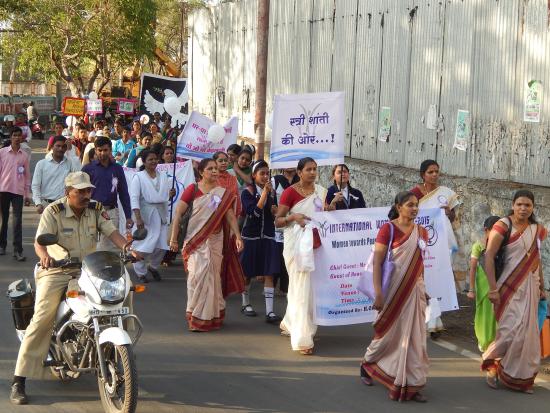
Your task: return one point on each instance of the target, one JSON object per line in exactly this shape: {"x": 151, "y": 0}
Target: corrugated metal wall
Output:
{"x": 409, "y": 55}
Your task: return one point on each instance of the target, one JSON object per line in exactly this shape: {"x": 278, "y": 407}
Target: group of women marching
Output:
{"x": 221, "y": 257}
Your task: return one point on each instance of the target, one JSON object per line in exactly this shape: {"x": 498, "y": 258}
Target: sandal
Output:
{"x": 365, "y": 378}
{"x": 307, "y": 352}
{"x": 285, "y": 333}
{"x": 272, "y": 318}
{"x": 492, "y": 380}
{"x": 248, "y": 311}
{"x": 419, "y": 398}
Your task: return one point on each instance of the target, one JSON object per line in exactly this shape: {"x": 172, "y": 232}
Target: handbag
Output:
{"x": 500, "y": 256}
{"x": 366, "y": 281}
{"x": 184, "y": 221}
{"x": 304, "y": 259}
{"x": 316, "y": 238}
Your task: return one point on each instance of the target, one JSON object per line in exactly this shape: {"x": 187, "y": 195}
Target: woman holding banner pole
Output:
{"x": 397, "y": 356}
{"x": 149, "y": 196}
{"x": 432, "y": 195}
{"x": 297, "y": 203}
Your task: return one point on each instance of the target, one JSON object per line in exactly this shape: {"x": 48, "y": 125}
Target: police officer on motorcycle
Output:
{"x": 77, "y": 221}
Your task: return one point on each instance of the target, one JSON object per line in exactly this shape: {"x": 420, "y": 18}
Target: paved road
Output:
{"x": 247, "y": 366}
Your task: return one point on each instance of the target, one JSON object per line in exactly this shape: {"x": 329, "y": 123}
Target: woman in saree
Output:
{"x": 203, "y": 245}
{"x": 513, "y": 358}
{"x": 232, "y": 273}
{"x": 432, "y": 195}
{"x": 150, "y": 193}
{"x": 297, "y": 203}
{"x": 397, "y": 356}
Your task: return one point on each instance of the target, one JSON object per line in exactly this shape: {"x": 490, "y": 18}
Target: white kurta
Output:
{"x": 151, "y": 197}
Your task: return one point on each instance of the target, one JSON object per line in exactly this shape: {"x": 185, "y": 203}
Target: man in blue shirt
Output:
{"x": 122, "y": 147}
{"x": 110, "y": 184}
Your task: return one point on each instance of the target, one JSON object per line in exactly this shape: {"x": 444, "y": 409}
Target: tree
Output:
{"x": 170, "y": 31}
{"x": 77, "y": 41}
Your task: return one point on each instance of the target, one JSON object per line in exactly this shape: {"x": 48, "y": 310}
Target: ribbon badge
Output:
{"x": 214, "y": 202}
{"x": 114, "y": 184}
{"x": 443, "y": 201}
{"x": 318, "y": 204}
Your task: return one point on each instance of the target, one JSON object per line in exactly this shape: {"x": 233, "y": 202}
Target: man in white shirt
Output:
{"x": 48, "y": 181}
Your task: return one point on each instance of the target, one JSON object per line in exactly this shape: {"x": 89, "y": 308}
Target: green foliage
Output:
{"x": 77, "y": 40}
{"x": 168, "y": 25}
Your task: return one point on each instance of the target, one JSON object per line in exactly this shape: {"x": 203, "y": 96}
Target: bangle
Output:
{"x": 470, "y": 291}
{"x": 493, "y": 291}
{"x": 172, "y": 241}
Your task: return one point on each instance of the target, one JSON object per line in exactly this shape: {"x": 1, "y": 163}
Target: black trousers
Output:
{"x": 16, "y": 202}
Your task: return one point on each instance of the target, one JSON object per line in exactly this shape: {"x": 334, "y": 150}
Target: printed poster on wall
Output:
{"x": 533, "y": 101}
{"x": 347, "y": 238}
{"x": 384, "y": 122}
{"x": 308, "y": 125}
{"x": 164, "y": 94}
{"x": 184, "y": 177}
{"x": 193, "y": 141}
{"x": 462, "y": 130}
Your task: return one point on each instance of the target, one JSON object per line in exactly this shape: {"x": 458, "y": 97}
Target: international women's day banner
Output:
{"x": 347, "y": 238}
{"x": 184, "y": 177}
{"x": 308, "y": 125}
{"x": 193, "y": 141}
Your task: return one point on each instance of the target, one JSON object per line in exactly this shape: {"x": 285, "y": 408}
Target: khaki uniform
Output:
{"x": 79, "y": 236}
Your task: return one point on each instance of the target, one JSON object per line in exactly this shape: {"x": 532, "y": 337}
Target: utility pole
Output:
{"x": 261, "y": 76}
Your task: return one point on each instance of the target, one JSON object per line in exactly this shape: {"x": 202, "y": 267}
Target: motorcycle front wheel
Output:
{"x": 119, "y": 390}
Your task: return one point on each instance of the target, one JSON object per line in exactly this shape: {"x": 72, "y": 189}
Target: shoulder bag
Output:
{"x": 184, "y": 221}
{"x": 366, "y": 281}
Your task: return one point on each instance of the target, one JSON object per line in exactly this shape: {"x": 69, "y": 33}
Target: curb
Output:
{"x": 544, "y": 383}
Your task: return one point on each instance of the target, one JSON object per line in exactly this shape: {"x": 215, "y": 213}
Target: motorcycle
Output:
{"x": 36, "y": 130}
{"x": 90, "y": 331}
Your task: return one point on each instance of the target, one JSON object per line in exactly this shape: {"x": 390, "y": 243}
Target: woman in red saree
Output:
{"x": 513, "y": 358}
{"x": 203, "y": 245}
{"x": 397, "y": 356}
{"x": 231, "y": 271}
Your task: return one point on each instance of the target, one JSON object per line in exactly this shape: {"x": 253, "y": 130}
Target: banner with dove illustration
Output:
{"x": 193, "y": 142}
{"x": 184, "y": 177}
{"x": 308, "y": 125}
{"x": 164, "y": 94}
{"x": 347, "y": 238}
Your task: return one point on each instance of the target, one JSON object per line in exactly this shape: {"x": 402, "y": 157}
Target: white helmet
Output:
{"x": 9, "y": 118}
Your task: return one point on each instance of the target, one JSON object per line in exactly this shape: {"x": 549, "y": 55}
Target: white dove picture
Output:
{"x": 172, "y": 105}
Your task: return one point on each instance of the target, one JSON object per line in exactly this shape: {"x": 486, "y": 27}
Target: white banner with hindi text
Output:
{"x": 308, "y": 125}
{"x": 193, "y": 141}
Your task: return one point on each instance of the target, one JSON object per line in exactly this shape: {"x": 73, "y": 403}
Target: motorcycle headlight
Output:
{"x": 110, "y": 291}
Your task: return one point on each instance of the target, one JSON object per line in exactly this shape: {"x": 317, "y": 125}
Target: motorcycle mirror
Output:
{"x": 139, "y": 234}
{"x": 47, "y": 239}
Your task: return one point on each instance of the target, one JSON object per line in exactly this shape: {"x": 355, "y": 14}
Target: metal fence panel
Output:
{"x": 424, "y": 60}
{"x": 368, "y": 76}
{"x": 343, "y": 67}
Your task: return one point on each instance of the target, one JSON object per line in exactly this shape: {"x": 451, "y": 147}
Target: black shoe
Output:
{"x": 17, "y": 395}
{"x": 248, "y": 311}
{"x": 434, "y": 335}
{"x": 2, "y": 251}
{"x": 155, "y": 274}
{"x": 19, "y": 257}
{"x": 272, "y": 318}
{"x": 143, "y": 279}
